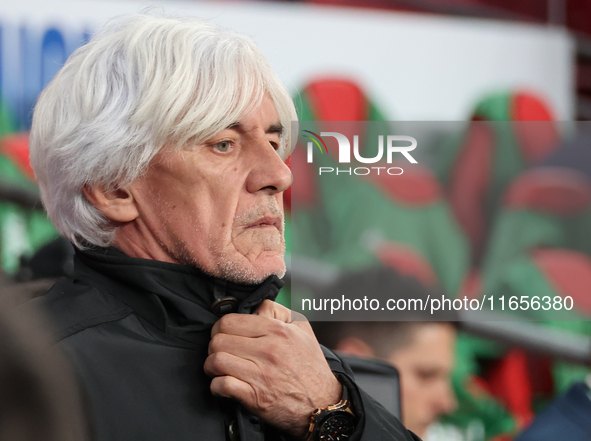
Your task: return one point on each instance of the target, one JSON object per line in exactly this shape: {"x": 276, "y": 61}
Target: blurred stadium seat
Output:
{"x": 477, "y": 165}
{"x": 356, "y": 222}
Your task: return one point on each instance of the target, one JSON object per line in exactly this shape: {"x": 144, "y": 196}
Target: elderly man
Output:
{"x": 159, "y": 148}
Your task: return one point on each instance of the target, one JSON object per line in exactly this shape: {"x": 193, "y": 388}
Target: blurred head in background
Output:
{"x": 425, "y": 362}
{"x": 422, "y": 351}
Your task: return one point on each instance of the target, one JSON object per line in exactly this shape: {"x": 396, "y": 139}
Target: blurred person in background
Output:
{"x": 39, "y": 399}
{"x": 422, "y": 351}
{"x": 160, "y": 151}
{"x": 567, "y": 417}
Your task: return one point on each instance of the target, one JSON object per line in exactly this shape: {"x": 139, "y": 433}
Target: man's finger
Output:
{"x": 223, "y": 363}
{"x": 231, "y": 387}
{"x": 238, "y": 345}
{"x": 273, "y": 310}
{"x": 240, "y": 324}
{"x": 252, "y": 326}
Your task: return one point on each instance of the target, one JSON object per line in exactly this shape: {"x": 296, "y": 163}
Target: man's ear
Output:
{"x": 117, "y": 205}
{"x": 355, "y": 346}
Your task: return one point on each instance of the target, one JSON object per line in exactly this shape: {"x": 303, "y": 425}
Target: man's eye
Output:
{"x": 222, "y": 146}
{"x": 427, "y": 374}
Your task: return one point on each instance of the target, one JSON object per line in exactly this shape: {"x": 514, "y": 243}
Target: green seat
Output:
{"x": 357, "y": 221}
{"x": 509, "y": 131}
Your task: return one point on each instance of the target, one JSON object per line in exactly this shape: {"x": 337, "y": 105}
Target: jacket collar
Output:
{"x": 176, "y": 298}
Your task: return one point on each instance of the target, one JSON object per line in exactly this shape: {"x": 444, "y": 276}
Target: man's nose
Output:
{"x": 269, "y": 171}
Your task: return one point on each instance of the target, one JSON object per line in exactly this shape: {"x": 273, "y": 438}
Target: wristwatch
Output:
{"x": 333, "y": 423}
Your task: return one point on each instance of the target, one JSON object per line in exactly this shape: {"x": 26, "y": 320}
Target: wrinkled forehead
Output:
{"x": 248, "y": 121}
{"x": 261, "y": 119}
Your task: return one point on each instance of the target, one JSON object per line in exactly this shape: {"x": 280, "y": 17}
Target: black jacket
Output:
{"x": 137, "y": 332}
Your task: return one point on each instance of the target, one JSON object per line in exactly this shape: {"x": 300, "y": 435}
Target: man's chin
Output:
{"x": 421, "y": 429}
{"x": 252, "y": 273}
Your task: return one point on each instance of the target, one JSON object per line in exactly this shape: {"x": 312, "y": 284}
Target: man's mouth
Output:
{"x": 266, "y": 221}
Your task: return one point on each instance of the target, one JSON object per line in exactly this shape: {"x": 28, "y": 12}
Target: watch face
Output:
{"x": 337, "y": 427}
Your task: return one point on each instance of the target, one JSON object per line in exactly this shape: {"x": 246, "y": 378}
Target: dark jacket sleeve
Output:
{"x": 374, "y": 423}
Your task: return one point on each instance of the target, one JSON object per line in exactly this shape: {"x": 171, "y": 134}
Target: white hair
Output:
{"x": 140, "y": 85}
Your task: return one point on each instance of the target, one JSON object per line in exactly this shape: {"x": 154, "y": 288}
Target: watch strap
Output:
{"x": 343, "y": 405}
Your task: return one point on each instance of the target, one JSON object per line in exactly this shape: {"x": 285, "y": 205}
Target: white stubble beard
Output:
{"x": 235, "y": 270}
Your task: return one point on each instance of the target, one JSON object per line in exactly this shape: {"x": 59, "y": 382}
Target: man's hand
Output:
{"x": 272, "y": 365}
